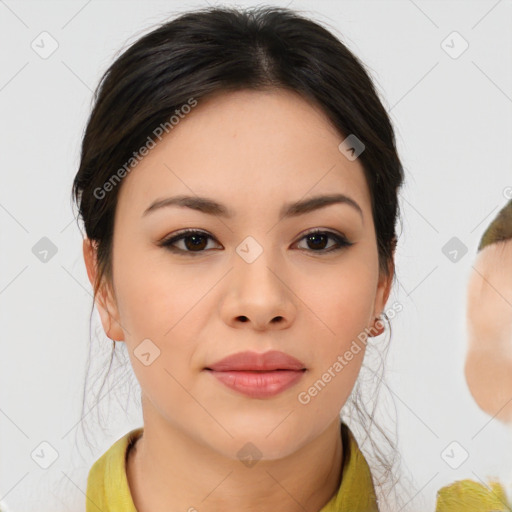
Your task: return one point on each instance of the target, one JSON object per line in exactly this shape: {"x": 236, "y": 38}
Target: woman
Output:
{"x": 238, "y": 186}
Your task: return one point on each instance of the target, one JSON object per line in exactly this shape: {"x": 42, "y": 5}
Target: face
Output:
{"x": 250, "y": 280}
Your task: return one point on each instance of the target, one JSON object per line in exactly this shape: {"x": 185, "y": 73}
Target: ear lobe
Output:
{"x": 105, "y": 303}
{"x": 377, "y": 329}
{"x": 383, "y": 291}
{"x": 107, "y": 309}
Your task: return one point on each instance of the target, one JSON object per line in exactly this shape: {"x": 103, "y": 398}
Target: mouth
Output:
{"x": 258, "y": 375}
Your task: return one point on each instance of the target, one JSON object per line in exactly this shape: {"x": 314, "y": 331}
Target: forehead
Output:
{"x": 250, "y": 149}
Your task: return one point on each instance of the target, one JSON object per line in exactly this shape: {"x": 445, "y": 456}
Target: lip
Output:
{"x": 258, "y": 375}
{"x": 259, "y": 384}
{"x": 254, "y": 361}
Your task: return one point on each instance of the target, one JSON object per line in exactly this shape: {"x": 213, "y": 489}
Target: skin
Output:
{"x": 252, "y": 151}
{"x": 488, "y": 366}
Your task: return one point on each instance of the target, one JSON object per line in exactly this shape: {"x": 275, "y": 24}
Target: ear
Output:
{"x": 383, "y": 290}
{"x": 104, "y": 300}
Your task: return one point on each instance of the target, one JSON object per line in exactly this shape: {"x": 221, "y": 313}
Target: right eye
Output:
{"x": 194, "y": 241}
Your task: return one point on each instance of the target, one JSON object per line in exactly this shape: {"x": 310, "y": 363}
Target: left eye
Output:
{"x": 196, "y": 241}
{"x": 318, "y": 237}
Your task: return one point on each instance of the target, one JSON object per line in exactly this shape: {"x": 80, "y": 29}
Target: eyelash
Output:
{"x": 168, "y": 243}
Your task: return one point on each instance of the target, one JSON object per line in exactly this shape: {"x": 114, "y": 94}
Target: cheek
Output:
{"x": 164, "y": 308}
{"x": 339, "y": 304}
{"x": 338, "y": 312}
{"x": 162, "y": 305}
{"x": 155, "y": 297}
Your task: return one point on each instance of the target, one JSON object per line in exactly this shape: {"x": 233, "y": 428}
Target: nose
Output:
{"x": 258, "y": 296}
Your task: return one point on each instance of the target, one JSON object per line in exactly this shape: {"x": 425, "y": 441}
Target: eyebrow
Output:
{"x": 212, "y": 207}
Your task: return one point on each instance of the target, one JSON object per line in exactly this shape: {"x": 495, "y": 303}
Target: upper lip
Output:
{"x": 267, "y": 361}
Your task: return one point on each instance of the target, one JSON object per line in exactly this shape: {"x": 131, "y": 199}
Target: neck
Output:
{"x": 167, "y": 470}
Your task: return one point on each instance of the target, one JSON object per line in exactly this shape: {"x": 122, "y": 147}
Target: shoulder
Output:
{"x": 471, "y": 496}
{"x": 356, "y": 492}
{"x": 106, "y": 482}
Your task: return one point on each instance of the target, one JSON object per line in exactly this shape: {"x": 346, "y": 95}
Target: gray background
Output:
{"x": 454, "y": 129}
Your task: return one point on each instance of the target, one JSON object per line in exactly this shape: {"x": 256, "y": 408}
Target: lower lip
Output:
{"x": 259, "y": 384}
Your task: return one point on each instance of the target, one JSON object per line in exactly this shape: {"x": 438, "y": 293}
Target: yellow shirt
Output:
{"x": 108, "y": 489}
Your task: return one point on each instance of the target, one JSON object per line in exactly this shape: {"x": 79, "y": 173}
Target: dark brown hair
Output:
{"x": 211, "y": 50}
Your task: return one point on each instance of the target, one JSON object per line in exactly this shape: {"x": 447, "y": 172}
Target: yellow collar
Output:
{"x": 108, "y": 489}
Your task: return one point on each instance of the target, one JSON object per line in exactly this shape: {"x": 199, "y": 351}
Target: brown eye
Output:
{"x": 317, "y": 240}
{"x": 193, "y": 242}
